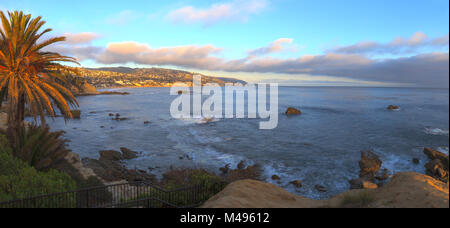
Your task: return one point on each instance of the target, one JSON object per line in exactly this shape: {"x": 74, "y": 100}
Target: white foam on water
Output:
{"x": 436, "y": 131}
{"x": 443, "y": 149}
{"x": 398, "y": 163}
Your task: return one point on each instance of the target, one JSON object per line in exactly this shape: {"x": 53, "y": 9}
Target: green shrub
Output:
{"x": 181, "y": 178}
{"x": 37, "y": 146}
{"x": 19, "y": 180}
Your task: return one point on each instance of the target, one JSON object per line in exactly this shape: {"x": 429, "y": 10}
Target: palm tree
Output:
{"x": 31, "y": 78}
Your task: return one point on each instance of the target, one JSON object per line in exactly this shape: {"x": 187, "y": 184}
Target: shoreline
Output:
{"x": 250, "y": 192}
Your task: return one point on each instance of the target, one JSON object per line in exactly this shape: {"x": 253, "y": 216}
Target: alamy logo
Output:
{"x": 221, "y": 103}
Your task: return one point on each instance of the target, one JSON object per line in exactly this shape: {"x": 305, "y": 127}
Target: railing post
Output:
{"x": 87, "y": 198}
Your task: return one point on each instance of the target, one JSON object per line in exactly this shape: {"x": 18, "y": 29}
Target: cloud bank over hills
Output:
{"x": 355, "y": 61}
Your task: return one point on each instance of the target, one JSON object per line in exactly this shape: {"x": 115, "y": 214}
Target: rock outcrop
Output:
{"x": 405, "y": 190}
{"x": 241, "y": 165}
{"x": 369, "y": 173}
{"x": 111, "y": 169}
{"x": 438, "y": 165}
{"x": 369, "y": 164}
{"x": 110, "y": 155}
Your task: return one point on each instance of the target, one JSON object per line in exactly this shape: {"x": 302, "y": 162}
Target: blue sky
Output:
{"x": 296, "y": 42}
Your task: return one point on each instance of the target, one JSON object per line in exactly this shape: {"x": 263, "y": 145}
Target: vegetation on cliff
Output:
{"x": 20, "y": 180}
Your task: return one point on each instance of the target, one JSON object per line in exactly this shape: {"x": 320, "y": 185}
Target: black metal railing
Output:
{"x": 128, "y": 195}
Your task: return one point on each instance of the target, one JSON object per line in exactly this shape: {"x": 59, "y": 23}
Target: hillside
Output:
{"x": 143, "y": 77}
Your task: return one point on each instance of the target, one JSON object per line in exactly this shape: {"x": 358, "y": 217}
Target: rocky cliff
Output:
{"x": 404, "y": 190}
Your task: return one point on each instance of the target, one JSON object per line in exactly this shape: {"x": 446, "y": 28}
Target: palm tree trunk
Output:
{"x": 20, "y": 114}
{"x": 2, "y": 97}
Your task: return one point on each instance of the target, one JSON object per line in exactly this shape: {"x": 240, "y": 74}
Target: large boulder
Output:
{"x": 369, "y": 164}
{"x": 437, "y": 167}
{"x": 361, "y": 183}
{"x": 293, "y": 111}
{"x": 434, "y": 154}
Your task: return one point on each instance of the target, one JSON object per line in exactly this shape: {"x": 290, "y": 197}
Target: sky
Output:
{"x": 291, "y": 42}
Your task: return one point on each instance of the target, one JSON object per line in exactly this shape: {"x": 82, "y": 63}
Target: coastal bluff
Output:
{"x": 404, "y": 190}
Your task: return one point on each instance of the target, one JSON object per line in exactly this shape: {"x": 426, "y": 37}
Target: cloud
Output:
{"x": 441, "y": 41}
{"x": 185, "y": 56}
{"x": 229, "y": 11}
{"x": 429, "y": 70}
{"x": 280, "y": 45}
{"x": 123, "y": 18}
{"x": 83, "y": 52}
{"x": 81, "y": 38}
{"x": 78, "y": 45}
{"x": 397, "y": 46}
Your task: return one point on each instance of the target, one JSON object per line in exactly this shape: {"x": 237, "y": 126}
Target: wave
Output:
{"x": 436, "y": 131}
{"x": 443, "y": 150}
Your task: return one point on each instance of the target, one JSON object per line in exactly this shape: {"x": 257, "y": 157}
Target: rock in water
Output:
{"x": 293, "y": 111}
{"x": 128, "y": 154}
{"x": 297, "y": 183}
{"x": 434, "y": 154}
{"x": 241, "y": 165}
{"x": 370, "y": 164}
{"x": 438, "y": 166}
{"x": 393, "y": 107}
{"x": 276, "y": 178}
{"x": 320, "y": 188}
{"x": 110, "y": 155}
{"x": 416, "y": 161}
{"x": 437, "y": 170}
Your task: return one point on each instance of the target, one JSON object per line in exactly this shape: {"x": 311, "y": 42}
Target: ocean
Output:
{"x": 322, "y": 146}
